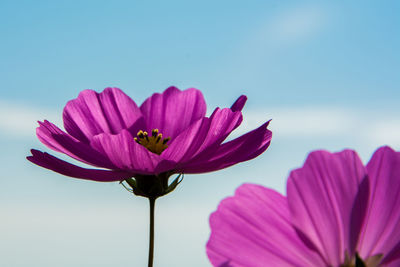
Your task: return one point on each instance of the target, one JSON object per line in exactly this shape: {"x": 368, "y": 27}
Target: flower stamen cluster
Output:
{"x": 154, "y": 143}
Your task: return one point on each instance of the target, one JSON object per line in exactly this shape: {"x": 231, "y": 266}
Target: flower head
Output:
{"x": 169, "y": 133}
{"x": 337, "y": 213}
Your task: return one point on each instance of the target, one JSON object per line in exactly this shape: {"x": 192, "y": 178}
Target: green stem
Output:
{"x": 151, "y": 243}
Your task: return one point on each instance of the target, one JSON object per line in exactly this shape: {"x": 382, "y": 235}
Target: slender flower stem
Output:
{"x": 151, "y": 242}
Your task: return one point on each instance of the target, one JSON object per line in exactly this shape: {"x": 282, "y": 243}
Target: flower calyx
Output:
{"x": 154, "y": 143}
{"x": 152, "y": 186}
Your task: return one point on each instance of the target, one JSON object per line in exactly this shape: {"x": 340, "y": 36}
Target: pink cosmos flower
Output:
{"x": 337, "y": 213}
{"x": 169, "y": 133}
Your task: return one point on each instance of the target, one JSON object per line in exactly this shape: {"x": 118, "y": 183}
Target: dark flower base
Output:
{"x": 153, "y": 186}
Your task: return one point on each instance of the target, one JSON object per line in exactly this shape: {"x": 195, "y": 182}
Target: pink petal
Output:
{"x": 56, "y": 139}
{"x": 253, "y": 229}
{"x": 239, "y": 103}
{"x": 395, "y": 263}
{"x": 321, "y": 195}
{"x": 203, "y": 136}
{"x": 243, "y": 148}
{"x": 381, "y": 230}
{"x": 173, "y": 111}
{"x": 392, "y": 257}
{"x": 55, "y": 164}
{"x": 128, "y": 155}
{"x": 93, "y": 113}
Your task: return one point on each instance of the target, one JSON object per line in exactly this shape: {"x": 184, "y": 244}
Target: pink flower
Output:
{"x": 169, "y": 133}
{"x": 337, "y": 212}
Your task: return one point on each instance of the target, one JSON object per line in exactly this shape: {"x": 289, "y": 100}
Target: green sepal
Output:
{"x": 132, "y": 183}
{"x": 174, "y": 183}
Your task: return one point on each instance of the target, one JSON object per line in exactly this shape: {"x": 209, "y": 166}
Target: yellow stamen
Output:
{"x": 152, "y": 143}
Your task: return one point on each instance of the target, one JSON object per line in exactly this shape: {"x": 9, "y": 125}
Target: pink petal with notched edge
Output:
{"x": 381, "y": 231}
{"x": 224, "y": 121}
{"x": 93, "y": 113}
{"x": 245, "y": 147}
{"x": 253, "y": 229}
{"x": 126, "y": 154}
{"x": 239, "y": 103}
{"x": 56, "y": 139}
{"x": 173, "y": 111}
{"x": 55, "y": 164}
{"x": 321, "y": 195}
{"x": 203, "y": 135}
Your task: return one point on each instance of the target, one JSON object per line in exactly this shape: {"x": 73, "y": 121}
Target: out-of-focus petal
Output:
{"x": 54, "y": 138}
{"x": 202, "y": 136}
{"x": 239, "y": 103}
{"x": 93, "y": 113}
{"x": 55, "y": 164}
{"x": 245, "y": 147}
{"x": 253, "y": 229}
{"x": 381, "y": 231}
{"x": 126, "y": 154}
{"x": 392, "y": 257}
{"x": 394, "y": 263}
{"x": 173, "y": 111}
{"x": 321, "y": 195}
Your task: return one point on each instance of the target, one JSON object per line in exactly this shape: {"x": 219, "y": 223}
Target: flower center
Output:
{"x": 154, "y": 143}
{"x": 356, "y": 261}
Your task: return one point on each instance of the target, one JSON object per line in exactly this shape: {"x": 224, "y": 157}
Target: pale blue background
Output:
{"x": 327, "y": 73}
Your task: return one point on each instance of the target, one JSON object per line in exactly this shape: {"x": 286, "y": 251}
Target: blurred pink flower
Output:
{"x": 169, "y": 133}
{"x": 336, "y": 212}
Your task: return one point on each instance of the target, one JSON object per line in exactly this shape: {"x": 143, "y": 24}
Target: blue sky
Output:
{"x": 327, "y": 73}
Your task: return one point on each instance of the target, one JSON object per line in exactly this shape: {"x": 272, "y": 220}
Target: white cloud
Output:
{"x": 368, "y": 127}
{"x": 295, "y": 24}
{"x": 303, "y": 122}
{"x": 385, "y": 132}
{"x": 278, "y": 33}
{"x": 288, "y": 26}
{"x": 19, "y": 120}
